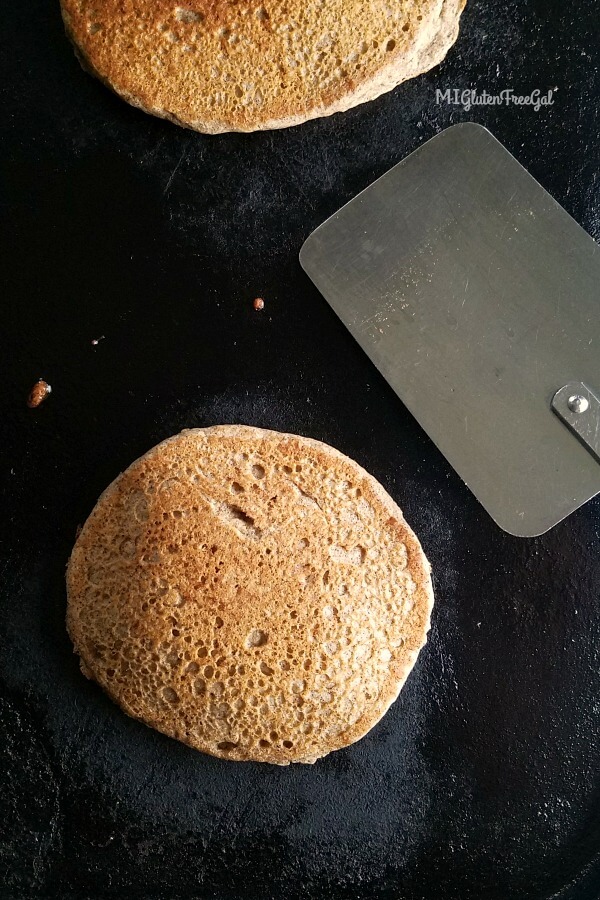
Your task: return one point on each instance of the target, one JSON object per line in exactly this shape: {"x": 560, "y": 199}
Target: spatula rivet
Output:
{"x": 578, "y": 404}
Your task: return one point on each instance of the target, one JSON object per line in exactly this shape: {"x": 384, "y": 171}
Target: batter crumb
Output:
{"x": 38, "y": 393}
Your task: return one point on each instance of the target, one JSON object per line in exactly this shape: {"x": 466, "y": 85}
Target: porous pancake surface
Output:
{"x": 256, "y": 595}
{"x": 244, "y": 65}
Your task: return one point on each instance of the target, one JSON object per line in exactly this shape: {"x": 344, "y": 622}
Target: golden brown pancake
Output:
{"x": 222, "y": 65}
{"x": 253, "y": 594}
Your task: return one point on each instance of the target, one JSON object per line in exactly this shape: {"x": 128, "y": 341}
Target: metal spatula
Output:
{"x": 478, "y": 298}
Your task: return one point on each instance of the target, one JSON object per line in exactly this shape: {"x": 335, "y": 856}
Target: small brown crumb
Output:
{"x": 259, "y": 304}
{"x": 78, "y": 530}
{"x": 38, "y": 393}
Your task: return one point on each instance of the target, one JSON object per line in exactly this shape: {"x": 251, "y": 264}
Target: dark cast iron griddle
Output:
{"x": 483, "y": 780}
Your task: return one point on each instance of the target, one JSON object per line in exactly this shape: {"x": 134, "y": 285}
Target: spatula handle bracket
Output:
{"x": 578, "y": 407}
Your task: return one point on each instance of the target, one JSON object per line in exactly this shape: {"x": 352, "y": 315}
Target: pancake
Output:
{"x": 221, "y": 65}
{"x": 253, "y": 594}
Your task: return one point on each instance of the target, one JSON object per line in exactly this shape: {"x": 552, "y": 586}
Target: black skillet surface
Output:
{"x": 483, "y": 781}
